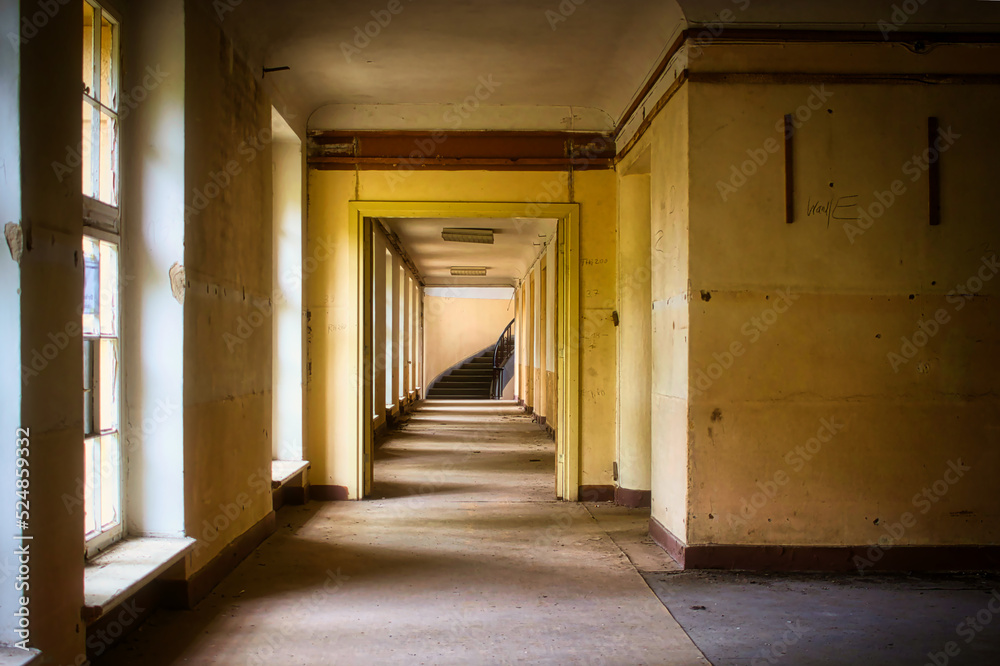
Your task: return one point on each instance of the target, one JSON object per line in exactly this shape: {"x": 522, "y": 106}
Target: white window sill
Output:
{"x": 283, "y": 471}
{"x": 122, "y": 570}
{"x": 10, "y": 656}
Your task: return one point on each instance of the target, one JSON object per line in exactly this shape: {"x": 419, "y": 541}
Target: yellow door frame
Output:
{"x": 360, "y": 214}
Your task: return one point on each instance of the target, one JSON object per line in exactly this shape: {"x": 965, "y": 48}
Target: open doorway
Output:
{"x": 410, "y": 237}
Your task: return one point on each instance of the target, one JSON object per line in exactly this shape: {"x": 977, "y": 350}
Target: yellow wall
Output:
{"x": 667, "y": 143}
{"x": 332, "y": 310}
{"x": 457, "y": 328}
{"x": 50, "y": 300}
{"x": 634, "y": 332}
{"x": 813, "y": 433}
{"x": 228, "y": 300}
{"x": 596, "y": 191}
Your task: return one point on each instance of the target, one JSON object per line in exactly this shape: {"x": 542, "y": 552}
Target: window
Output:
{"x": 388, "y": 331}
{"x": 103, "y": 470}
{"x": 401, "y": 338}
{"x": 99, "y": 148}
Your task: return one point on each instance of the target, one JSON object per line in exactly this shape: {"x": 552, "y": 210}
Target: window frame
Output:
{"x": 96, "y": 213}
{"x": 103, "y": 222}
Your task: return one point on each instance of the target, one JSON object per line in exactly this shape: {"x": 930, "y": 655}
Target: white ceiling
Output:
{"x": 517, "y": 243}
{"x": 555, "y": 69}
{"x": 433, "y": 52}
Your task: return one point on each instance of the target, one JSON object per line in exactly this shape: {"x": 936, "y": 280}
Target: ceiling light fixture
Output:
{"x": 468, "y": 271}
{"x": 457, "y": 235}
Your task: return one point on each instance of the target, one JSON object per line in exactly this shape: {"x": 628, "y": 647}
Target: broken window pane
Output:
{"x": 109, "y": 85}
{"x": 109, "y": 289}
{"x": 90, "y": 482}
{"x": 108, "y": 177}
{"x": 88, "y": 49}
{"x": 91, "y": 286}
{"x": 108, "y": 385}
{"x": 88, "y": 387}
{"x": 89, "y": 156}
{"x": 110, "y": 491}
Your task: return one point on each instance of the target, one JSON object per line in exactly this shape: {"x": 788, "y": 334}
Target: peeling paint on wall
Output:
{"x": 15, "y": 240}
{"x": 177, "y": 281}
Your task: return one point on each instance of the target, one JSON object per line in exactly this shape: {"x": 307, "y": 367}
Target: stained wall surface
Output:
{"x": 865, "y": 335}
{"x": 332, "y": 309}
{"x": 228, "y": 297}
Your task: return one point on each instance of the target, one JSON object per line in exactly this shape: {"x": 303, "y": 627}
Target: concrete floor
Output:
{"x": 745, "y": 619}
{"x": 461, "y": 557}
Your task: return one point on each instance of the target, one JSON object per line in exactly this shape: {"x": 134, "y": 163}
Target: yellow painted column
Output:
{"x": 634, "y": 335}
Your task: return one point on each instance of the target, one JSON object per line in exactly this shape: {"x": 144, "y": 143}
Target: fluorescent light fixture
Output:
{"x": 458, "y": 235}
{"x": 468, "y": 271}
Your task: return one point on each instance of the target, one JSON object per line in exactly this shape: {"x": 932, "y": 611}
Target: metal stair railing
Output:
{"x": 501, "y": 354}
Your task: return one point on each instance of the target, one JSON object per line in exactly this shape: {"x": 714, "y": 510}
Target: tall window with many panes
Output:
{"x": 102, "y": 443}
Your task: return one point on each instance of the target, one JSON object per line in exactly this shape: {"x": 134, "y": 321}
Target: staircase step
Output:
{"x": 445, "y": 393}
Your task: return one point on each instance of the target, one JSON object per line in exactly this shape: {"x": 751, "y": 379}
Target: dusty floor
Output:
{"x": 462, "y": 557}
{"x": 743, "y": 619}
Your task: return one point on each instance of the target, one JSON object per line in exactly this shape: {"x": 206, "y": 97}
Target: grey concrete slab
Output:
{"x": 740, "y": 619}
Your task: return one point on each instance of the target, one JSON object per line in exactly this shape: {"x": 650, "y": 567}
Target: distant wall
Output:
{"x": 457, "y": 327}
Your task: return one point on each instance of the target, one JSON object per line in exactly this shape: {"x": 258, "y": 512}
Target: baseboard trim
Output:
{"x": 635, "y": 499}
{"x": 855, "y": 559}
{"x": 665, "y": 539}
{"x": 597, "y": 494}
{"x": 329, "y": 493}
{"x": 188, "y": 593}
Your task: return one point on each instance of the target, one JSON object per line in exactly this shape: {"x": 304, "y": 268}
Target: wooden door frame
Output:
{"x": 360, "y": 214}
